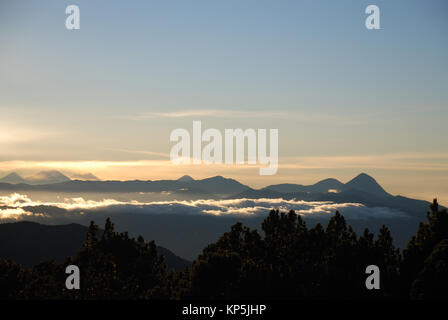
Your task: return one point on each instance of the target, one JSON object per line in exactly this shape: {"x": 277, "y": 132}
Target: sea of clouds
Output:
{"x": 16, "y": 207}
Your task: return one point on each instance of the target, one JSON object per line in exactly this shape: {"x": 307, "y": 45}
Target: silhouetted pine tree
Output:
{"x": 422, "y": 245}
{"x": 432, "y": 280}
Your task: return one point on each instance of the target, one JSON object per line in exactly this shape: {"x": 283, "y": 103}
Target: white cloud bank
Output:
{"x": 18, "y": 206}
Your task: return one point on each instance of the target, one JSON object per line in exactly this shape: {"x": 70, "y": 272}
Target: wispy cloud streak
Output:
{"x": 209, "y": 113}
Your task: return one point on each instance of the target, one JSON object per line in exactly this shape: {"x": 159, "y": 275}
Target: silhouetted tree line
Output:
{"x": 291, "y": 261}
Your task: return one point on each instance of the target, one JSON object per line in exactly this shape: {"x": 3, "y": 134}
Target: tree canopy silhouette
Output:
{"x": 284, "y": 260}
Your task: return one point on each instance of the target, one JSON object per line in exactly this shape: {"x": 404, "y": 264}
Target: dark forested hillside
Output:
{"x": 288, "y": 260}
{"x": 30, "y": 243}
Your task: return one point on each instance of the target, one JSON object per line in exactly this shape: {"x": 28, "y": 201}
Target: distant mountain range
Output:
{"x": 218, "y": 185}
{"x": 55, "y": 181}
{"x": 361, "y": 189}
{"x": 44, "y": 177}
{"x": 189, "y": 234}
{"x": 362, "y": 182}
{"x": 30, "y": 243}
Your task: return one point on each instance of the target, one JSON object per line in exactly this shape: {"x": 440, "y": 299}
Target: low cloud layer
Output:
{"x": 21, "y": 207}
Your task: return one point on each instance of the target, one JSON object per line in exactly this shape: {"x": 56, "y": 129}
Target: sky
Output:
{"x": 105, "y": 98}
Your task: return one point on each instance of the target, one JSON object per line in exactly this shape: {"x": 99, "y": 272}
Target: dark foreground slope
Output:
{"x": 30, "y": 243}
{"x": 287, "y": 260}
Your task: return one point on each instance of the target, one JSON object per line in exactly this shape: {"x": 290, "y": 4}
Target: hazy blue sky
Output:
{"x": 345, "y": 99}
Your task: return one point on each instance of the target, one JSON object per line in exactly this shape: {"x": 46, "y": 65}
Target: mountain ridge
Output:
{"x": 362, "y": 189}
{"x": 39, "y": 178}
{"x": 48, "y": 177}
{"x": 366, "y": 183}
{"x": 216, "y": 185}
{"x": 13, "y": 178}
{"x": 362, "y": 182}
